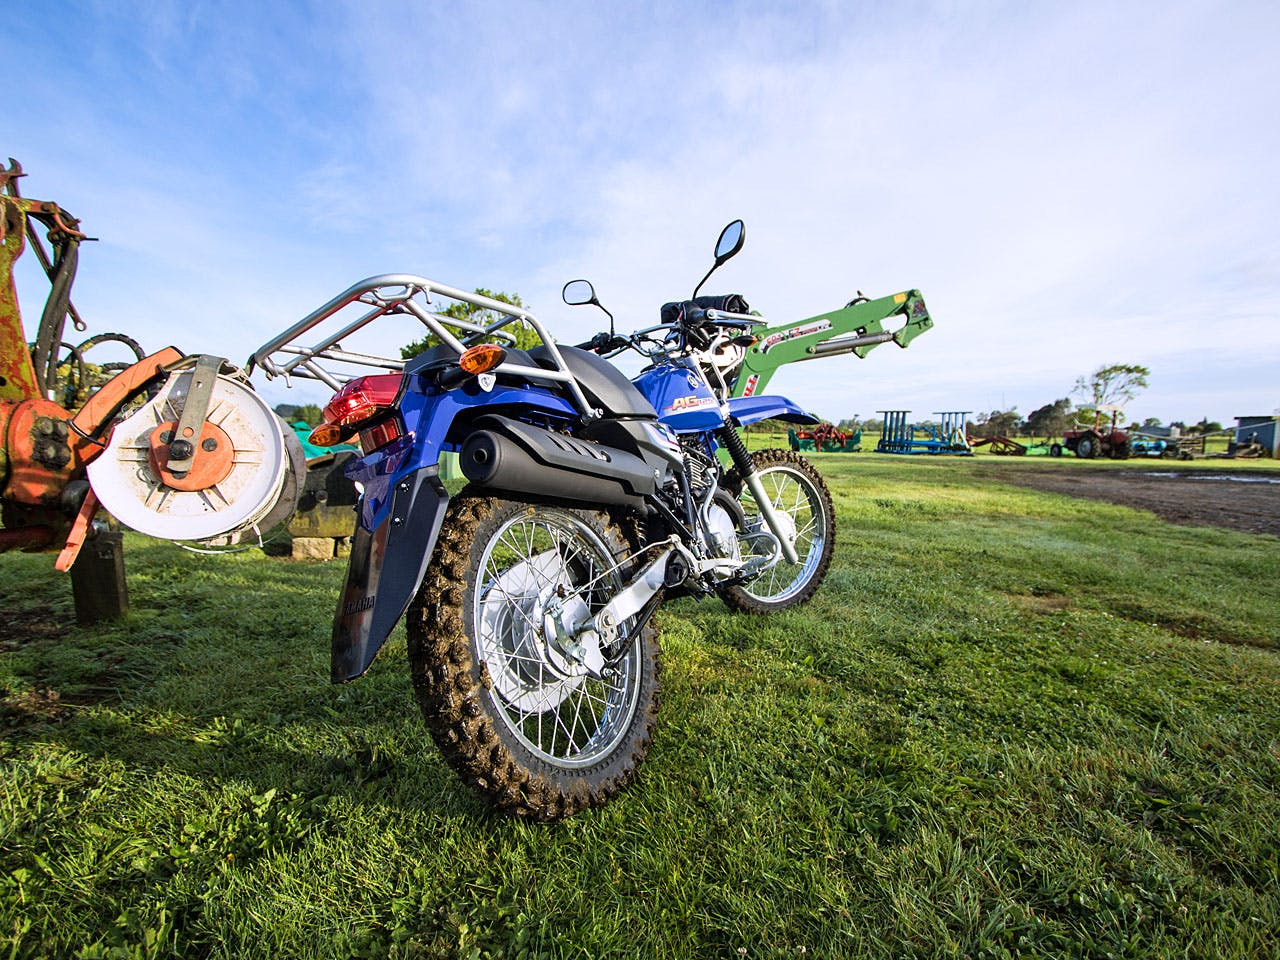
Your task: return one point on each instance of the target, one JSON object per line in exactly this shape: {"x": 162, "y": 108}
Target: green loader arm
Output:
{"x": 858, "y": 329}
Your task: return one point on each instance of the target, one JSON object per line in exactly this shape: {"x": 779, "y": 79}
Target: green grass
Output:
{"x": 997, "y": 731}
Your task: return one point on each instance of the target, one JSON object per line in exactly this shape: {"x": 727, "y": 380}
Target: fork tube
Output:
{"x": 747, "y": 469}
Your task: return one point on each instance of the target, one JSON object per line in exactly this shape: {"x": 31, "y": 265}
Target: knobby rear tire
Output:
{"x": 484, "y": 724}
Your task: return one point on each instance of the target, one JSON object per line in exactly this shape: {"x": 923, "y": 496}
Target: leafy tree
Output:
{"x": 308, "y": 412}
{"x": 460, "y": 310}
{"x": 1206, "y": 426}
{"x": 997, "y": 423}
{"x": 1049, "y": 420}
{"x": 1151, "y": 422}
{"x": 1116, "y": 383}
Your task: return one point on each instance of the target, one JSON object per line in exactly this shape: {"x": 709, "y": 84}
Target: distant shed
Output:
{"x": 1265, "y": 429}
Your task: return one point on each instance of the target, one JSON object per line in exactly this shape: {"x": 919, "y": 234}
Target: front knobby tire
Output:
{"x": 517, "y": 719}
{"x": 798, "y": 493}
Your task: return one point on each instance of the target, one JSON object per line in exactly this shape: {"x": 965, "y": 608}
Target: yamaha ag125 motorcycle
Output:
{"x": 529, "y": 596}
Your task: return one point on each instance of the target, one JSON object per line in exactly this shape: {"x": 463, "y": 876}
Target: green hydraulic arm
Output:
{"x": 858, "y": 328}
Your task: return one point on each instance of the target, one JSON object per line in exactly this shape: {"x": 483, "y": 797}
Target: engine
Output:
{"x": 703, "y": 471}
{"x": 701, "y": 468}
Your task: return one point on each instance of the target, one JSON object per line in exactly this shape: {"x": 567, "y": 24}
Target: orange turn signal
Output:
{"x": 326, "y": 435}
{"x": 481, "y": 358}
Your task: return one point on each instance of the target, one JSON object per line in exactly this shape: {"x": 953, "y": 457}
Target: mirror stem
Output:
{"x": 704, "y": 280}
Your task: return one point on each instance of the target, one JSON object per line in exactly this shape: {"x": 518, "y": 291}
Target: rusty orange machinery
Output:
{"x": 44, "y": 447}
{"x": 46, "y": 450}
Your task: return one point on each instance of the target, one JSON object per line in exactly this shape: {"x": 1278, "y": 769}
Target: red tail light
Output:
{"x": 363, "y": 399}
{"x": 367, "y": 404}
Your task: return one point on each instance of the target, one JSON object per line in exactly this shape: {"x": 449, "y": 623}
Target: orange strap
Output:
{"x": 103, "y": 404}
{"x": 79, "y": 533}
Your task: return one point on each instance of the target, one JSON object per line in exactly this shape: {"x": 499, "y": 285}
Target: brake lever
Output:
{"x": 598, "y": 343}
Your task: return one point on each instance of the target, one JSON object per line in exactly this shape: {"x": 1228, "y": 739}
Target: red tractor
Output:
{"x": 1098, "y": 439}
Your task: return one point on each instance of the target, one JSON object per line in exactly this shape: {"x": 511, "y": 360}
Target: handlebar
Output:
{"x": 744, "y": 320}
{"x": 694, "y": 326}
{"x": 603, "y": 342}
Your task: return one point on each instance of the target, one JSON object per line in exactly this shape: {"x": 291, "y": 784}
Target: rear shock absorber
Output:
{"x": 747, "y": 470}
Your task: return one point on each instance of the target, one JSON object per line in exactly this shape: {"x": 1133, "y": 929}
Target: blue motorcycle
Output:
{"x": 590, "y": 498}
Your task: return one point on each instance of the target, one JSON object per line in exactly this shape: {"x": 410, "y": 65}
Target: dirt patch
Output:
{"x": 1238, "y": 501}
{"x": 32, "y": 625}
{"x": 1041, "y": 604}
{"x": 32, "y": 706}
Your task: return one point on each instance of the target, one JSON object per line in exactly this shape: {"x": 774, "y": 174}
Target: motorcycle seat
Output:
{"x": 603, "y": 384}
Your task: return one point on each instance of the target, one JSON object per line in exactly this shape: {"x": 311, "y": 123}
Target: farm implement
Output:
{"x": 177, "y": 447}
{"x": 1003, "y": 446}
{"x": 1000, "y": 446}
{"x": 947, "y": 436}
{"x": 857, "y": 328}
{"x": 826, "y": 438}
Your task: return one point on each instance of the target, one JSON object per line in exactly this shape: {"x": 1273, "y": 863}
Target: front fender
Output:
{"x": 747, "y": 410}
{"x": 385, "y": 570}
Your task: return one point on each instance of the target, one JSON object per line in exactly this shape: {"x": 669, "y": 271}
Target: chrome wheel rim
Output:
{"x": 546, "y": 699}
{"x": 798, "y": 505}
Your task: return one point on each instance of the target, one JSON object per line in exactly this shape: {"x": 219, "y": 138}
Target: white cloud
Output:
{"x": 1068, "y": 187}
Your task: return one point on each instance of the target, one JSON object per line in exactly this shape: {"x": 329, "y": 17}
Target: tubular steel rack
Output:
{"x": 945, "y": 437}
{"x": 400, "y": 294}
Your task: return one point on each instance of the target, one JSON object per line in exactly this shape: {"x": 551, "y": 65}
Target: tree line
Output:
{"x": 1115, "y": 384}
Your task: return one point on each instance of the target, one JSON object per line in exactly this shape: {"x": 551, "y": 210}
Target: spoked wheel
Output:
{"x": 537, "y": 720}
{"x": 802, "y": 502}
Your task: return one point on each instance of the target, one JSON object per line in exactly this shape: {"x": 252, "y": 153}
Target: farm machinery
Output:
{"x": 1105, "y": 438}
{"x": 947, "y": 436}
{"x": 856, "y": 328}
{"x": 825, "y": 437}
{"x": 1101, "y": 438}
{"x": 177, "y": 447}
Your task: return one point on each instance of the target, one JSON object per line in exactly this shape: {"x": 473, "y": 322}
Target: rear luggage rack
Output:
{"x": 400, "y": 294}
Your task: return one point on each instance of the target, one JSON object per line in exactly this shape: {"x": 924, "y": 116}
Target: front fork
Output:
{"x": 747, "y": 470}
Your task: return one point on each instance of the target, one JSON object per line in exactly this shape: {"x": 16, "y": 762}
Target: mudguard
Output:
{"x": 385, "y": 570}
{"x": 747, "y": 410}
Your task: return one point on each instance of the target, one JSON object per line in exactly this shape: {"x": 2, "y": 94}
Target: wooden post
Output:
{"x": 97, "y": 579}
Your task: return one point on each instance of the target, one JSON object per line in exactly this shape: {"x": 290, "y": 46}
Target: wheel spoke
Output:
{"x": 797, "y": 504}
{"x": 541, "y": 693}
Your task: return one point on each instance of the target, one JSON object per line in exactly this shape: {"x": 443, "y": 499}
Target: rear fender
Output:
{"x": 402, "y": 506}
{"x": 385, "y": 570}
{"x": 747, "y": 410}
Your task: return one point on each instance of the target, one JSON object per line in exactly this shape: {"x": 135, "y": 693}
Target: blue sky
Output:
{"x": 1069, "y": 185}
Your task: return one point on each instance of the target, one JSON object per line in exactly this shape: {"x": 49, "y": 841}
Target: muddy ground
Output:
{"x": 1247, "y": 501}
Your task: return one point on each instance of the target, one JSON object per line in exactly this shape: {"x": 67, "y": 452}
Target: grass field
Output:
{"x": 997, "y": 731}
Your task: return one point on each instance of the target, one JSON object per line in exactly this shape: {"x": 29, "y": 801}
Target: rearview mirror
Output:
{"x": 578, "y": 292}
{"x": 730, "y": 241}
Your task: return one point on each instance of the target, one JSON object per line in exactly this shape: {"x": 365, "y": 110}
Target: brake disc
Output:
{"x": 239, "y": 476}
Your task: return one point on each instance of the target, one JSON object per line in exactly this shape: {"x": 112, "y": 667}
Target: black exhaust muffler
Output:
{"x": 515, "y": 457}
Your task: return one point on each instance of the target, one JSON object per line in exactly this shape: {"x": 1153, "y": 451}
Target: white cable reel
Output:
{"x": 243, "y": 478}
